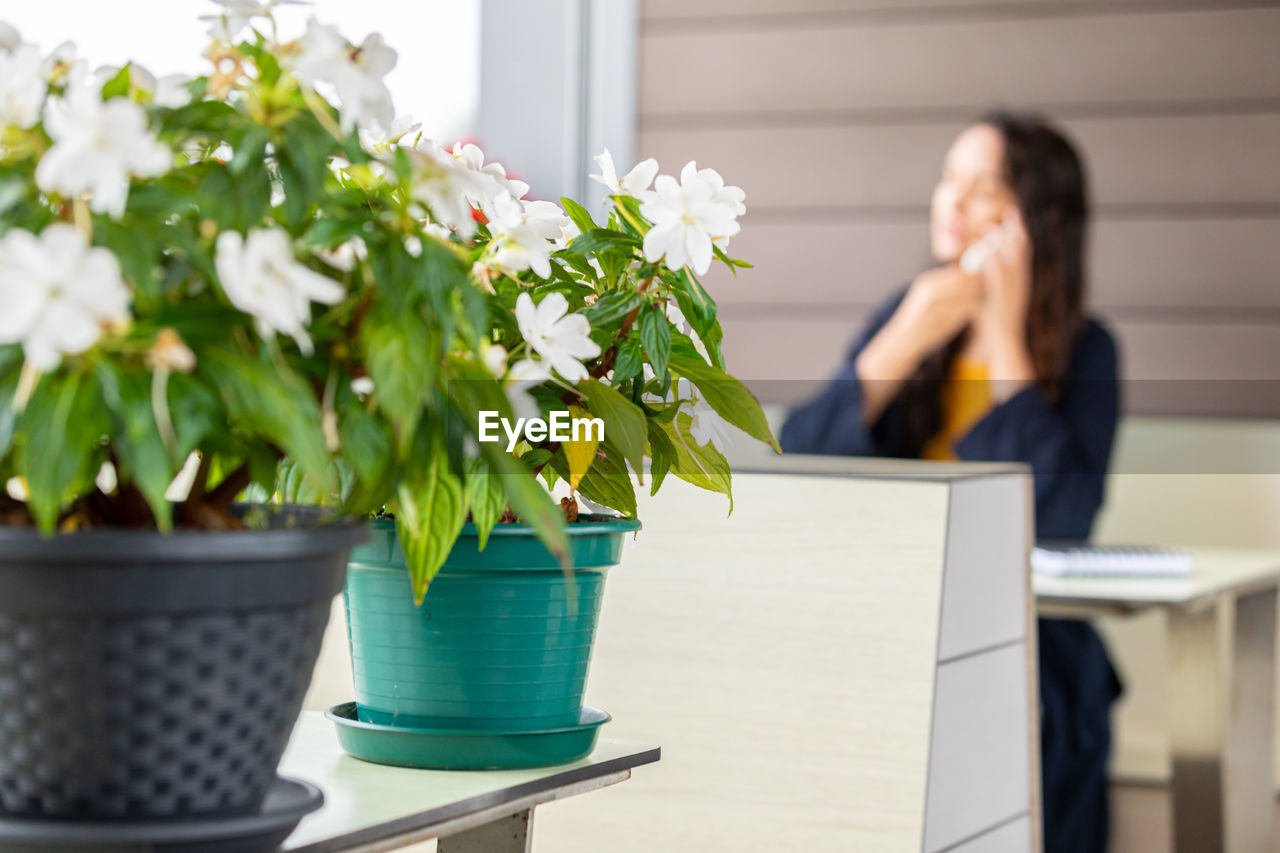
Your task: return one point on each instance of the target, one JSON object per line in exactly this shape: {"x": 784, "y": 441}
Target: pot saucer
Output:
{"x": 466, "y": 749}
{"x": 286, "y": 803}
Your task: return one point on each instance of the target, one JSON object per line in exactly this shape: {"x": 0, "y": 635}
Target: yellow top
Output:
{"x": 966, "y": 397}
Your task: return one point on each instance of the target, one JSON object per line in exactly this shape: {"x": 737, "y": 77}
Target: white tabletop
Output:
{"x": 1214, "y": 571}
{"x": 366, "y": 802}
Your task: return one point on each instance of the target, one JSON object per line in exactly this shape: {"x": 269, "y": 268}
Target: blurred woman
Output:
{"x": 989, "y": 356}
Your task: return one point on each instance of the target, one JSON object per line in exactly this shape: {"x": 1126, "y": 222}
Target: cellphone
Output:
{"x": 976, "y": 255}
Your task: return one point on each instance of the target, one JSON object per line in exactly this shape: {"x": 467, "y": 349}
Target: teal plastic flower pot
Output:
{"x": 502, "y": 641}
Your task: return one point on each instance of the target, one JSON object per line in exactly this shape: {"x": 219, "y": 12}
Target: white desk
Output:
{"x": 1222, "y": 669}
{"x": 373, "y": 807}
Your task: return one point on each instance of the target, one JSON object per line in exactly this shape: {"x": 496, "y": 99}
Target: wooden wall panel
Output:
{"x": 1184, "y": 56}
{"x": 1133, "y": 161}
{"x": 734, "y": 12}
{"x": 1147, "y": 268}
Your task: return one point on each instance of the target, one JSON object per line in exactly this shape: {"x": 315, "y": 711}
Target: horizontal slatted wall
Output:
{"x": 834, "y": 115}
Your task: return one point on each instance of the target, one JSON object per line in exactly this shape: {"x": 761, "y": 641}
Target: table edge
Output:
{"x": 450, "y": 811}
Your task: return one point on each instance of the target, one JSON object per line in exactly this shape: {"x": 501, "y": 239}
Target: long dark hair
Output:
{"x": 1048, "y": 177}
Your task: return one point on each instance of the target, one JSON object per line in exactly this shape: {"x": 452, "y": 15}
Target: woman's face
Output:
{"x": 972, "y": 196}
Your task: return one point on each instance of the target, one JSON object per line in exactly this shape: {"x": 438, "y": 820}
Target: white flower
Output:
{"x": 731, "y": 197}
{"x": 446, "y": 186}
{"x": 560, "y": 339}
{"x": 437, "y": 231}
{"x": 674, "y": 314}
{"x": 171, "y": 91}
{"x": 345, "y": 256}
{"x": 362, "y": 386}
{"x": 22, "y": 86}
{"x": 705, "y": 424}
{"x": 524, "y": 375}
{"x": 633, "y": 183}
{"x": 168, "y": 91}
{"x": 453, "y": 183}
{"x": 471, "y": 157}
{"x": 689, "y": 215}
{"x": 524, "y": 234}
{"x": 61, "y": 62}
{"x": 377, "y": 139}
{"x": 495, "y": 359}
{"x": 10, "y": 38}
{"x": 97, "y": 146}
{"x": 58, "y": 292}
{"x": 354, "y": 73}
{"x": 262, "y": 278}
{"x": 238, "y": 14}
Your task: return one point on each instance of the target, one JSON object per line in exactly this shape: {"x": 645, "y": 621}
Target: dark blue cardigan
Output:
{"x": 1068, "y": 446}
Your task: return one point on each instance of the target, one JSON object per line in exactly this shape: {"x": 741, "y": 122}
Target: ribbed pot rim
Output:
{"x": 595, "y": 525}
{"x": 304, "y": 531}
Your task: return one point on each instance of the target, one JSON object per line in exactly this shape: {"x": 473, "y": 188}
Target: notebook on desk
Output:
{"x": 1082, "y": 559}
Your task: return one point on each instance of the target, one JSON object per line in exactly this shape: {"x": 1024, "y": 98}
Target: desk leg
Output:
{"x": 510, "y": 834}
{"x": 1222, "y": 688}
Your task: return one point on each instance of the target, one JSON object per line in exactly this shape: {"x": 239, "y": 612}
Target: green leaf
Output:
{"x": 430, "y": 511}
{"x": 235, "y": 201}
{"x": 536, "y": 458}
{"x": 198, "y": 118}
{"x": 8, "y": 387}
{"x": 366, "y": 447}
{"x": 530, "y": 501}
{"x": 704, "y": 466}
{"x": 60, "y": 430}
{"x": 700, "y": 310}
{"x": 401, "y": 355}
{"x": 195, "y": 411}
{"x": 601, "y": 240}
{"x": 624, "y": 421}
{"x": 249, "y": 149}
{"x": 729, "y": 397}
{"x": 612, "y": 307}
{"x": 578, "y": 214}
{"x": 118, "y": 85}
{"x": 606, "y": 482}
{"x": 272, "y": 401}
{"x": 485, "y": 499}
{"x": 732, "y": 263}
{"x": 655, "y": 335}
{"x": 138, "y": 253}
{"x": 303, "y": 158}
{"x": 140, "y": 451}
{"x": 329, "y": 233}
{"x": 663, "y": 453}
{"x": 630, "y": 362}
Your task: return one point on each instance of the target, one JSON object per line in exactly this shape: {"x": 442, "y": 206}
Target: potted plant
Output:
{"x": 199, "y": 281}
{"x": 607, "y": 353}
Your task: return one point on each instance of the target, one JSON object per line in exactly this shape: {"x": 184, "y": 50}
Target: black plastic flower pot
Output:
{"x": 147, "y": 676}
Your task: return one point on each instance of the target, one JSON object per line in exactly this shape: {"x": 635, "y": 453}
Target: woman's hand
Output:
{"x": 939, "y": 303}
{"x": 1001, "y": 321}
